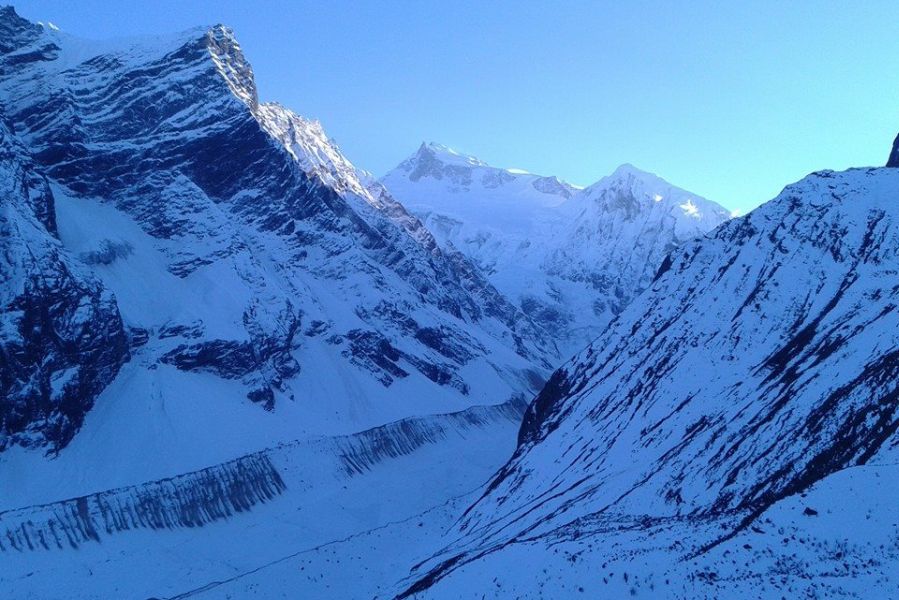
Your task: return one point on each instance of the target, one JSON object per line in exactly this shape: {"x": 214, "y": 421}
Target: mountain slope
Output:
{"x": 570, "y": 258}
{"x": 262, "y": 351}
{"x": 61, "y": 337}
{"x": 246, "y": 254}
{"x": 761, "y": 361}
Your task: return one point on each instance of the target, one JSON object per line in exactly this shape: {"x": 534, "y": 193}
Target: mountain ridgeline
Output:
{"x": 234, "y": 240}
{"x": 571, "y": 258}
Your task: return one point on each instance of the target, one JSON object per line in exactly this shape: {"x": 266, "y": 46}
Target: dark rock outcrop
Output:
{"x": 61, "y": 337}
{"x": 254, "y": 210}
{"x": 893, "y": 161}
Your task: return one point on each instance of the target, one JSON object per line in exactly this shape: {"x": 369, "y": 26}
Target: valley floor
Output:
{"x": 361, "y": 516}
{"x": 353, "y": 512}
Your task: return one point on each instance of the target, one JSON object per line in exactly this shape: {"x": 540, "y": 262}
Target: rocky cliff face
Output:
{"x": 239, "y": 241}
{"x": 61, "y": 337}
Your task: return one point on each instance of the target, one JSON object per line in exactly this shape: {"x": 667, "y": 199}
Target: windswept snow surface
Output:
{"x": 315, "y": 514}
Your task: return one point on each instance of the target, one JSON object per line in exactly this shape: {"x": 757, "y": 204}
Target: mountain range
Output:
{"x": 228, "y": 352}
{"x": 571, "y": 258}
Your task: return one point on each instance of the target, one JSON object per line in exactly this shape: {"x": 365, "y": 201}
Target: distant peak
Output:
{"x": 651, "y": 190}
{"x": 221, "y": 31}
{"x": 628, "y": 175}
{"x": 447, "y": 155}
{"x": 627, "y": 169}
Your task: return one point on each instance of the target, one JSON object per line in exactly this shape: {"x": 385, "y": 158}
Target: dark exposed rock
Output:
{"x": 374, "y": 352}
{"x": 185, "y": 330}
{"x": 139, "y": 336}
{"x": 547, "y": 403}
{"x": 264, "y": 362}
{"x": 170, "y": 135}
{"x": 61, "y": 337}
{"x": 893, "y": 161}
{"x": 16, "y": 32}
{"x": 225, "y": 358}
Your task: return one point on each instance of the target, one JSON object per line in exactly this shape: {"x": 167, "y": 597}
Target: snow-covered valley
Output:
{"x": 213, "y": 529}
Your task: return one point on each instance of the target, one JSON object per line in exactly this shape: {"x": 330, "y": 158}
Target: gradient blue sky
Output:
{"x": 729, "y": 100}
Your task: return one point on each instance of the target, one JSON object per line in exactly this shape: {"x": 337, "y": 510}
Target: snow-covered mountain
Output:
{"x": 212, "y": 321}
{"x": 229, "y": 354}
{"x": 726, "y": 433}
{"x": 246, "y": 256}
{"x": 571, "y": 258}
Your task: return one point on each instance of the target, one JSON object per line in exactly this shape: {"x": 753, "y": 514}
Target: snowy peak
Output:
{"x": 23, "y": 42}
{"x": 306, "y": 141}
{"x": 232, "y": 65}
{"x": 572, "y": 258}
{"x": 435, "y": 161}
{"x": 432, "y": 151}
{"x": 275, "y": 252}
{"x": 455, "y": 172}
{"x": 629, "y": 190}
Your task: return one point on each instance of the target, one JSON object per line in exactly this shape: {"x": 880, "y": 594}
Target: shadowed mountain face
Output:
{"x": 240, "y": 243}
{"x": 761, "y": 360}
{"x": 894, "y": 154}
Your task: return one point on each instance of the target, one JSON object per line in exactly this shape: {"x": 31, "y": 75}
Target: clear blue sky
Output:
{"x": 729, "y": 100}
